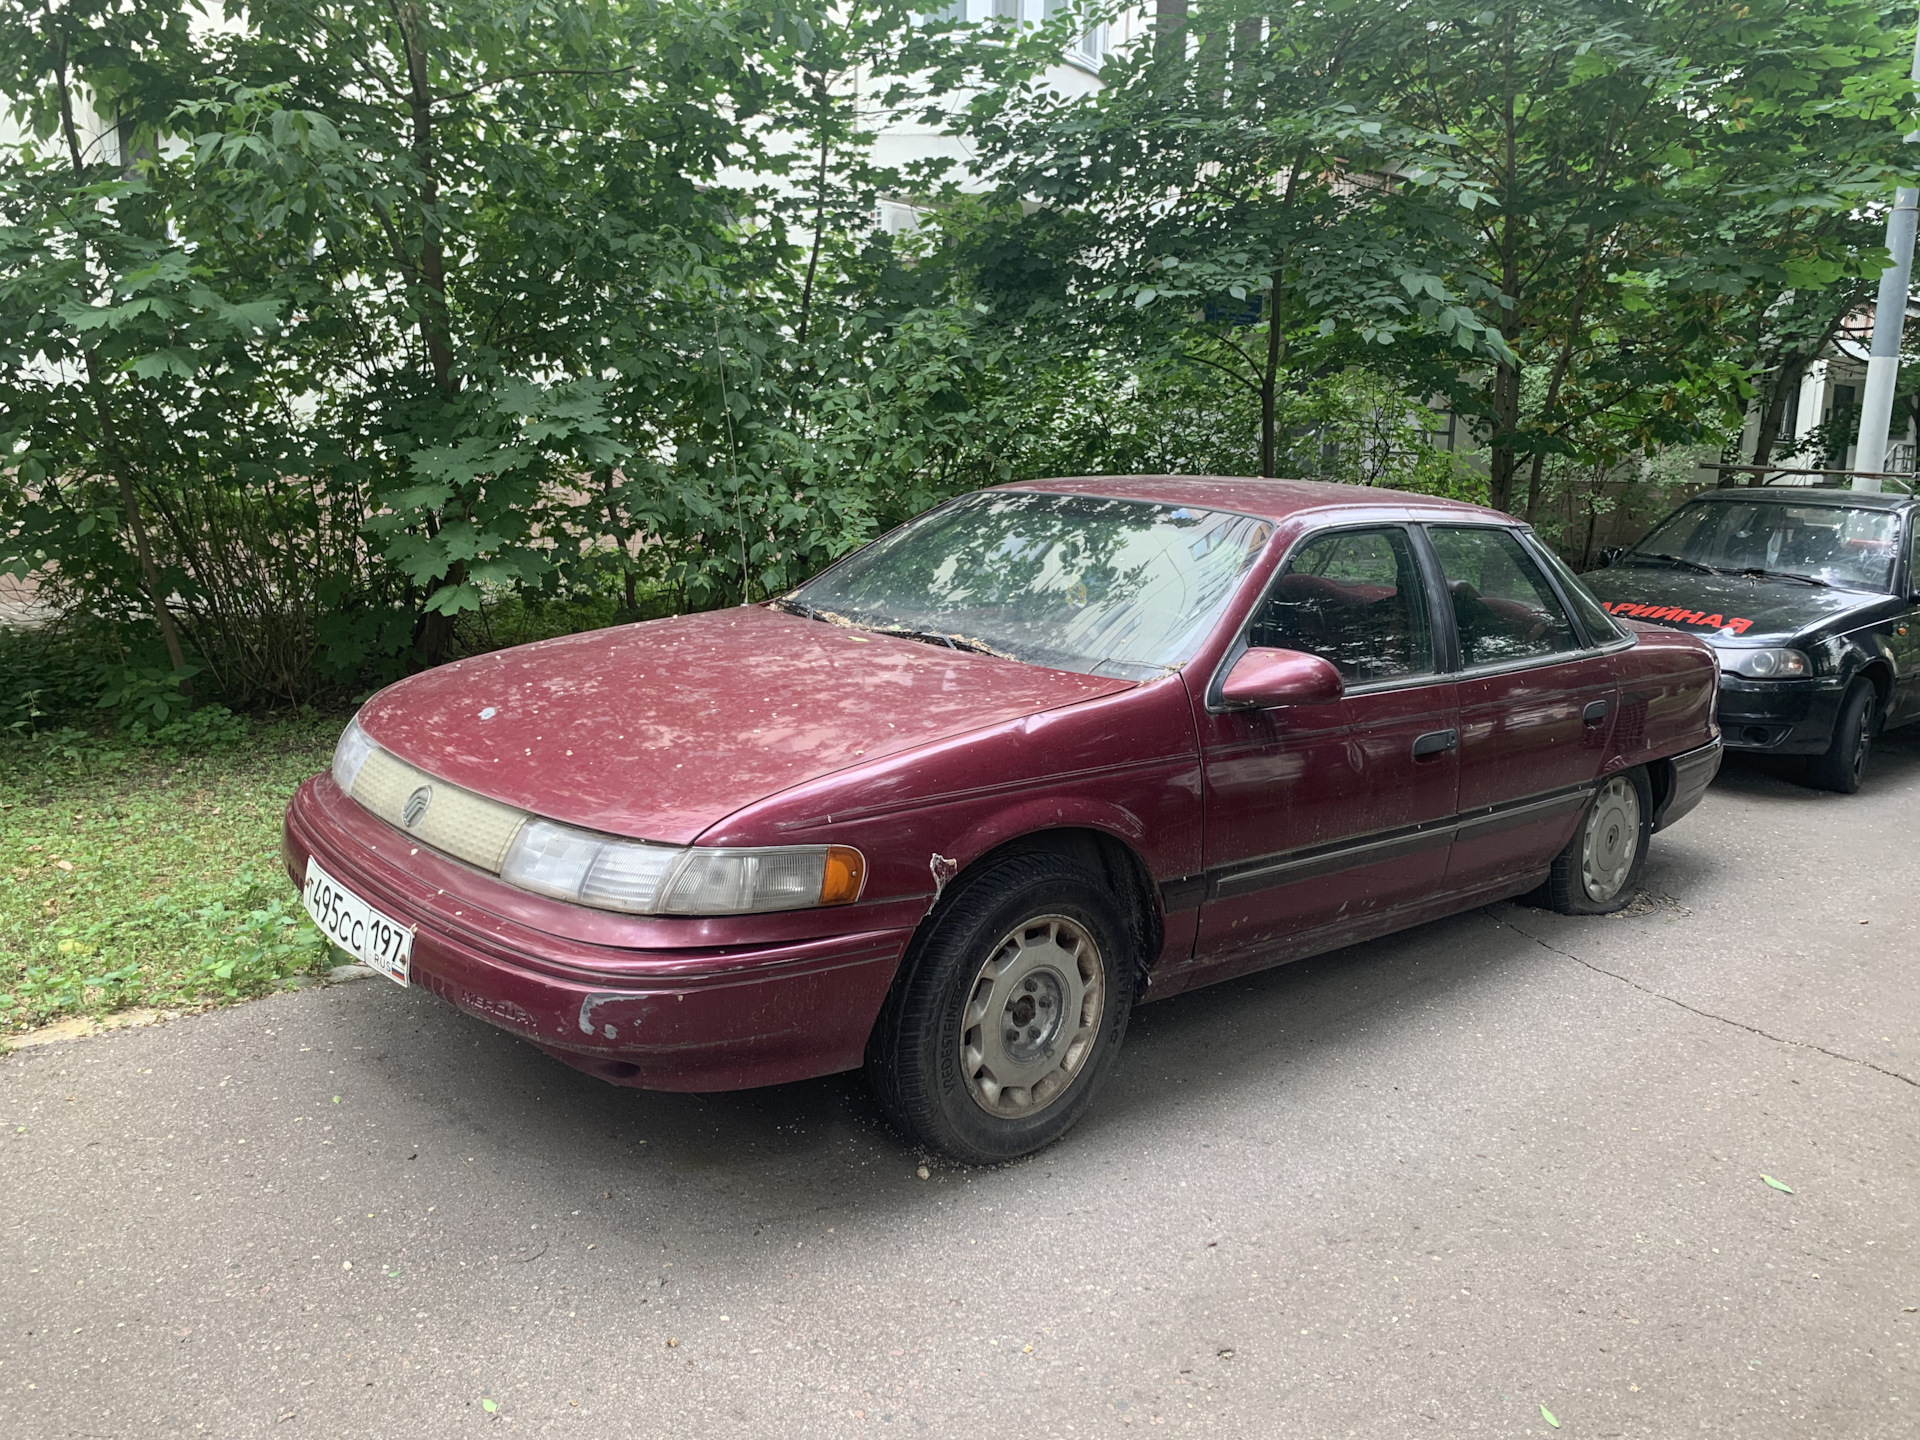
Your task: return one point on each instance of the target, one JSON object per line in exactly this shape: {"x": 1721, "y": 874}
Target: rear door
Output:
{"x": 1318, "y": 816}
{"x": 1537, "y": 707}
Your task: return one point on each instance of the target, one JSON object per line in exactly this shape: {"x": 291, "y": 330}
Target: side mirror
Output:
{"x": 1264, "y": 679}
{"x": 1609, "y": 554}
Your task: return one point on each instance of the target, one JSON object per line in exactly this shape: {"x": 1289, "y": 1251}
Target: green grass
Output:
{"x": 137, "y": 871}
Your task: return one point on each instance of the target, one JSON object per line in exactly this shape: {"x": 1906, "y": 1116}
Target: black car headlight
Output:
{"x": 1770, "y": 663}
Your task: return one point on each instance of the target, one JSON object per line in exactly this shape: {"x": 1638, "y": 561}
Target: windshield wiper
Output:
{"x": 899, "y": 632}
{"x": 1757, "y": 573}
{"x": 936, "y": 637}
{"x": 1674, "y": 560}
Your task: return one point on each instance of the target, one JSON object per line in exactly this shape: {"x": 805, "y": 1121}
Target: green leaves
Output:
{"x": 1548, "y": 1416}
{"x": 1778, "y": 1184}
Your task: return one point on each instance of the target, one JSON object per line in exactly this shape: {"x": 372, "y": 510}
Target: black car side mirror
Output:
{"x": 1610, "y": 553}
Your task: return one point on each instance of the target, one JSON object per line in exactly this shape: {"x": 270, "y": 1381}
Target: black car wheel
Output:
{"x": 1844, "y": 764}
{"x": 1596, "y": 873}
{"x": 1010, "y": 1013}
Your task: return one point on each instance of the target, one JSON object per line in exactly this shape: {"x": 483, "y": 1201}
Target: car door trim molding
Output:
{"x": 1311, "y": 862}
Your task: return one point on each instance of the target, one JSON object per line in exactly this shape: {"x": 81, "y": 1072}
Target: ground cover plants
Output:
{"x": 145, "y": 871}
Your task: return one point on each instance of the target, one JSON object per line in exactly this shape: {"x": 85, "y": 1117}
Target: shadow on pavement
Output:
{"x": 822, "y": 1145}
{"x": 1896, "y": 756}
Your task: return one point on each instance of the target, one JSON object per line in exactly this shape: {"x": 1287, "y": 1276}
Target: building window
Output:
{"x": 1089, "y": 48}
{"x": 898, "y": 218}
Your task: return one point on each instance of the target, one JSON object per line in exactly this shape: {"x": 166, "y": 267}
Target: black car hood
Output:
{"x": 1751, "y": 607}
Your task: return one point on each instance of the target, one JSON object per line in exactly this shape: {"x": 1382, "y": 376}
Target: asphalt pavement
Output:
{"x": 1439, "y": 1185}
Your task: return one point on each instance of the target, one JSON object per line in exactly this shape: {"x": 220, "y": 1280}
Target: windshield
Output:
{"x": 1124, "y": 588}
{"x": 1843, "y": 545}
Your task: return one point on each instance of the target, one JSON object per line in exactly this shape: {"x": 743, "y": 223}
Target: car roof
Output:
{"x": 1809, "y": 495}
{"x": 1266, "y": 499}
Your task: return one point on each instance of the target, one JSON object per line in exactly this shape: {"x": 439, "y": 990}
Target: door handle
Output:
{"x": 1435, "y": 742}
{"x": 1596, "y": 711}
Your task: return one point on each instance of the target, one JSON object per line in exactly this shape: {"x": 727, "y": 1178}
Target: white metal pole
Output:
{"x": 1889, "y": 320}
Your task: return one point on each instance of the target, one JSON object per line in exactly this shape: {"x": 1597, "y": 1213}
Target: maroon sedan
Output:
{"x": 952, "y": 807}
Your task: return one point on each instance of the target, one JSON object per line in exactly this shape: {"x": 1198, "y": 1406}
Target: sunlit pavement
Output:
{"x": 1424, "y": 1187}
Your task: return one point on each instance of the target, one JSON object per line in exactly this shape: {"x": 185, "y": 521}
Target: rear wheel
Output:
{"x": 1844, "y": 765}
{"x": 1596, "y": 873}
{"x": 995, "y": 1042}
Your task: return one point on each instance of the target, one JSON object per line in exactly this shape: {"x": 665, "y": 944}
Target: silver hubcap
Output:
{"x": 1612, "y": 839}
{"x": 1032, "y": 1016}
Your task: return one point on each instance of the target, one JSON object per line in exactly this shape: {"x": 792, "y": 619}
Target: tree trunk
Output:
{"x": 1211, "y": 64}
{"x": 1506, "y": 425}
{"x": 433, "y": 635}
{"x": 1269, "y": 383}
{"x": 1170, "y": 30}
{"x": 1247, "y": 35}
{"x": 1785, "y": 383}
{"x": 117, "y": 462}
{"x": 435, "y": 326}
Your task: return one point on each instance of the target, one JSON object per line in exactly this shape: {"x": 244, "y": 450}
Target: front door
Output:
{"x": 1324, "y": 818}
{"x": 1903, "y": 639}
{"x": 1536, "y": 708}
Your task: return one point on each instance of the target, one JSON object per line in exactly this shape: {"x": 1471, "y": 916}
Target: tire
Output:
{"x": 1598, "y": 871}
{"x": 1844, "y": 764}
{"x": 1017, "y": 950}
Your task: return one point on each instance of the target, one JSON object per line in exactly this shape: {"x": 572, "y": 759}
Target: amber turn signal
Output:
{"x": 845, "y": 874}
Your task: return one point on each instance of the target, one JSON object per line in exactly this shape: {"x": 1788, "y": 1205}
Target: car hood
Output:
{"x": 1751, "y": 608}
{"x": 660, "y": 730}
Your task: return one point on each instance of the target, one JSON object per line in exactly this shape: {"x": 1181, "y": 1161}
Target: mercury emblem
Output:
{"x": 416, "y": 805}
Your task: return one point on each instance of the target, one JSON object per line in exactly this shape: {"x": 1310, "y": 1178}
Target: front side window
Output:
{"x": 1502, "y": 605}
{"x": 1846, "y": 545}
{"x": 1353, "y": 597}
{"x": 1125, "y": 588}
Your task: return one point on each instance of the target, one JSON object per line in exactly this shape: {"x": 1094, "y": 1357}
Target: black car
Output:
{"x": 1810, "y": 599}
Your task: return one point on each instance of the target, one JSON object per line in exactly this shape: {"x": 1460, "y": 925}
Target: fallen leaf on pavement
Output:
{"x": 1778, "y": 1184}
{"x": 1548, "y": 1416}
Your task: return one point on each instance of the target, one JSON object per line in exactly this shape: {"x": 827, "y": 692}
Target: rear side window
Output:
{"x": 1353, "y": 597}
{"x": 1600, "y": 625}
{"x": 1502, "y": 605}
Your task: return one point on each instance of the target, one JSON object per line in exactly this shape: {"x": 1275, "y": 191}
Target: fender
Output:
{"x": 1033, "y": 815}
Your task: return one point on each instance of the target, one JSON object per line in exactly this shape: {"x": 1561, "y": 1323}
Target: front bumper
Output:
{"x": 1781, "y": 717}
{"x": 689, "y": 1017}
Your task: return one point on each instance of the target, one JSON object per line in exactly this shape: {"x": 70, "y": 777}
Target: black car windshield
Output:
{"x": 1124, "y": 588}
{"x": 1846, "y": 545}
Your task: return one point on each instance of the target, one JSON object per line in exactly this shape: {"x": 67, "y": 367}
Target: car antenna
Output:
{"x": 733, "y": 473}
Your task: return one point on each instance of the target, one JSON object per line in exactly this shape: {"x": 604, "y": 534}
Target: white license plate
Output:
{"x": 355, "y": 926}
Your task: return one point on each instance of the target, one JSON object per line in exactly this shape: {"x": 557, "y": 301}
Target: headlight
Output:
{"x": 644, "y": 879}
{"x": 1764, "y": 664}
{"x": 350, "y": 754}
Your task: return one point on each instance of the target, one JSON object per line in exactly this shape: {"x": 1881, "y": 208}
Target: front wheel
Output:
{"x": 1595, "y": 874}
{"x": 1844, "y": 764}
{"x": 1011, "y": 1014}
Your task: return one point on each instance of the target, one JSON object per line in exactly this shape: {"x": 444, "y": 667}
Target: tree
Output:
{"x": 1243, "y": 201}
{"x": 1651, "y": 163}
